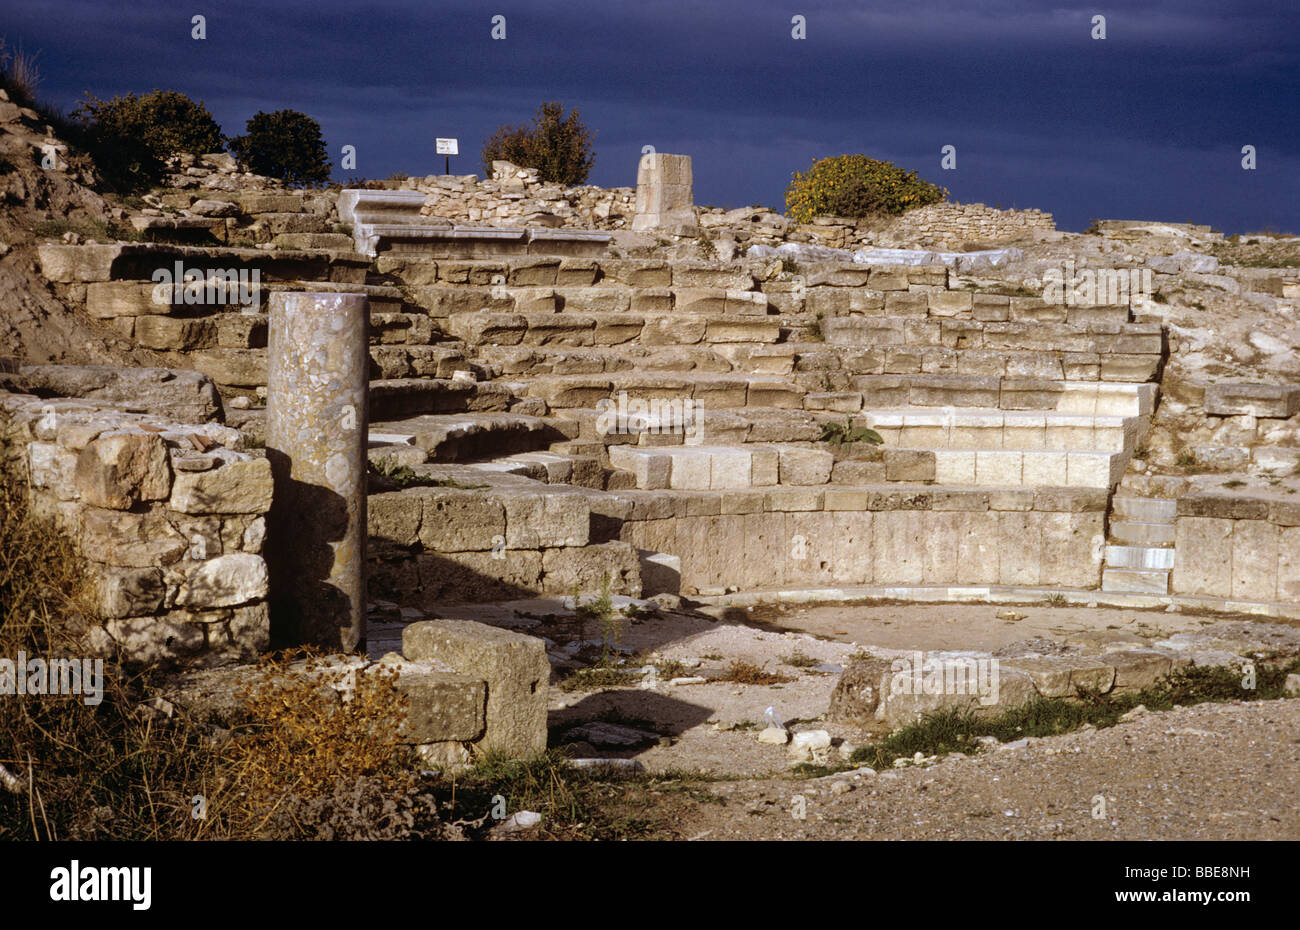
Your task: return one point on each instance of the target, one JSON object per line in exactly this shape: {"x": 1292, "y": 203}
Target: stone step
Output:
{"x": 702, "y": 390}
{"x": 402, "y": 398}
{"x": 945, "y": 390}
{"x": 682, "y": 346}
{"x": 465, "y": 436}
{"x": 1133, "y": 533}
{"x": 701, "y": 467}
{"x": 992, "y": 428}
{"x": 582, "y": 471}
{"x": 1029, "y": 468}
{"x": 137, "y": 262}
{"x": 1145, "y": 510}
{"x": 1134, "y": 581}
{"x": 1143, "y": 558}
{"x": 492, "y": 328}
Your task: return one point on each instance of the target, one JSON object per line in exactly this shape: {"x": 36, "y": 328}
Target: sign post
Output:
{"x": 448, "y": 147}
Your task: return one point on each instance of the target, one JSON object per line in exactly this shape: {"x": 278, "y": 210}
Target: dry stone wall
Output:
{"x": 172, "y": 536}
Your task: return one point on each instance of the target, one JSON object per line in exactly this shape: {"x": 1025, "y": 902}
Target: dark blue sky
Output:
{"x": 1147, "y": 124}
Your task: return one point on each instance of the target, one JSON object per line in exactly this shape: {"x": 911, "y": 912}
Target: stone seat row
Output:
{"x": 761, "y": 465}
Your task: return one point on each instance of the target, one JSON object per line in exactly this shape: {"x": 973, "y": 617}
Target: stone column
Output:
{"x": 665, "y": 196}
{"x": 316, "y": 418}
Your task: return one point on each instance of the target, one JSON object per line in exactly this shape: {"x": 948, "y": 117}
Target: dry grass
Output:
{"x": 19, "y": 73}
{"x": 747, "y": 673}
{"x": 298, "y": 764}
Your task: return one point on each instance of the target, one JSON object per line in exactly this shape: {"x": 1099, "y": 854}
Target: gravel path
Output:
{"x": 1210, "y": 772}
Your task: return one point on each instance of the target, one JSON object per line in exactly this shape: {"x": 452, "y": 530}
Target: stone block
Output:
{"x": 514, "y": 666}
{"x": 119, "y": 470}
{"x": 226, "y": 581}
{"x": 243, "y": 486}
{"x": 805, "y": 466}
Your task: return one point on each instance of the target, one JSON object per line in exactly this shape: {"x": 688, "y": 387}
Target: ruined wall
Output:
{"x": 951, "y": 224}
{"x": 172, "y": 536}
{"x": 811, "y": 537}
{"x": 1239, "y": 547}
{"x": 430, "y": 544}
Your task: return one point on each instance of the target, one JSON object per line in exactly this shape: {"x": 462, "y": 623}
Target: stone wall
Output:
{"x": 1237, "y": 546}
{"x": 172, "y": 536}
{"x": 813, "y": 537}
{"x": 512, "y": 539}
{"x": 951, "y": 224}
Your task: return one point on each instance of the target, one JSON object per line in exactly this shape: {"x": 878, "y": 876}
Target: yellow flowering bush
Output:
{"x": 856, "y": 186}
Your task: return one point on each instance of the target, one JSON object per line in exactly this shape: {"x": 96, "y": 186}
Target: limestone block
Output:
{"x": 1203, "y": 559}
{"x": 452, "y": 521}
{"x": 692, "y": 469}
{"x": 53, "y": 467}
{"x": 130, "y": 592}
{"x": 226, "y": 581}
{"x": 1288, "y": 564}
{"x": 130, "y": 540}
{"x": 514, "y": 666}
{"x": 805, "y": 466}
{"x": 730, "y": 468}
{"x": 440, "y": 706}
{"x": 1021, "y": 536}
{"x": 243, "y": 486}
{"x": 118, "y": 470}
{"x": 1254, "y": 560}
{"x": 587, "y": 568}
{"x": 540, "y": 521}
{"x": 998, "y": 467}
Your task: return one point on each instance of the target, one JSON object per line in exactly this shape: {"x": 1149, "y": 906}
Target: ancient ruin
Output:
{"x": 688, "y": 416}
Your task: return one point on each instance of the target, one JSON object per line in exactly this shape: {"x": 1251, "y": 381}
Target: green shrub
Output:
{"x": 557, "y": 146}
{"x": 856, "y": 186}
{"x": 286, "y": 145}
{"x": 130, "y": 137}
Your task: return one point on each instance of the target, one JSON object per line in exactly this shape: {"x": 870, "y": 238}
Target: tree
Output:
{"x": 286, "y": 145}
{"x": 130, "y": 137}
{"x": 557, "y": 146}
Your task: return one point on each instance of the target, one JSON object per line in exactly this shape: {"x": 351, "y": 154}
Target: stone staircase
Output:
{"x": 1140, "y": 552}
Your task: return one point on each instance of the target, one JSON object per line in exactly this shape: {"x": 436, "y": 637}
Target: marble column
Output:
{"x": 316, "y": 419}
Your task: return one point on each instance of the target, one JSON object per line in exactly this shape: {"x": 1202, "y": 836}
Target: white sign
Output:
{"x": 448, "y": 147}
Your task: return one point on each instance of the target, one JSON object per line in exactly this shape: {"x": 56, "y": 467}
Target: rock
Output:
{"x": 214, "y": 208}
{"x": 226, "y": 581}
{"x": 179, "y": 394}
{"x": 243, "y": 486}
{"x": 689, "y": 680}
{"x": 1012, "y": 615}
{"x": 1014, "y": 744}
{"x": 1135, "y": 713}
{"x": 775, "y": 736}
{"x": 514, "y": 666}
{"x": 808, "y": 743}
{"x": 117, "y": 471}
{"x": 1292, "y": 685}
{"x": 841, "y": 787}
{"x": 860, "y": 691}
{"x": 612, "y": 735}
{"x": 521, "y": 820}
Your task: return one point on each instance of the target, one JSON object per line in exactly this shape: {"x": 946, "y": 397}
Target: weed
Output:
{"x": 746, "y": 673}
{"x": 839, "y": 434}
{"x": 799, "y": 660}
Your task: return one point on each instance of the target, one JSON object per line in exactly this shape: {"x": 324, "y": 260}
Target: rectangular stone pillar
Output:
{"x": 316, "y": 422}
{"x": 665, "y": 196}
